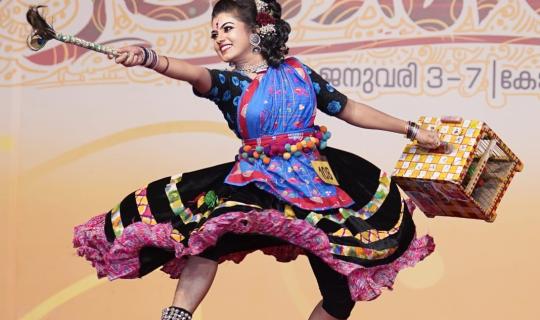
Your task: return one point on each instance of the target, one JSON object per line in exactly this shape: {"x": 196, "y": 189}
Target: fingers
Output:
{"x": 120, "y": 52}
{"x": 128, "y": 56}
{"x": 138, "y": 59}
{"x": 129, "y": 60}
{"x": 121, "y": 58}
{"x": 435, "y": 141}
{"x": 123, "y": 50}
{"x": 429, "y": 139}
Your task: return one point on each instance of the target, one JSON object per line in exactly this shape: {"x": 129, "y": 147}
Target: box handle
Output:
{"x": 451, "y": 119}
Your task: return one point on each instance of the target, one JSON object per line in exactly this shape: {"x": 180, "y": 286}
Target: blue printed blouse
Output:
{"x": 283, "y": 101}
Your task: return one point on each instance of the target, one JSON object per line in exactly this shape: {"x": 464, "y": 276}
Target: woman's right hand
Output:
{"x": 129, "y": 56}
{"x": 428, "y": 139}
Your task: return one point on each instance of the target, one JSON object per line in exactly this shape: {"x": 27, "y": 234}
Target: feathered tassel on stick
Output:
{"x": 43, "y": 32}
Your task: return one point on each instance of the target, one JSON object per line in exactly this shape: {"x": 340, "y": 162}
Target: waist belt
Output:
{"x": 285, "y": 145}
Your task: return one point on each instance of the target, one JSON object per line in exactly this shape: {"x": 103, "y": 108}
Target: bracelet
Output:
{"x": 175, "y": 313}
{"x": 145, "y": 55}
{"x": 412, "y": 130}
{"x": 152, "y": 60}
{"x": 166, "y": 66}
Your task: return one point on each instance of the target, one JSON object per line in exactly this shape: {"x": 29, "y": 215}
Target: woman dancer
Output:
{"x": 342, "y": 212}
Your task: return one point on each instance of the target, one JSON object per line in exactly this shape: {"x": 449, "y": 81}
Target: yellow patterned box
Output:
{"x": 468, "y": 180}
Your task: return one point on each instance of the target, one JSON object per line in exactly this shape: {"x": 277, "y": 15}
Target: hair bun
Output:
{"x": 273, "y": 45}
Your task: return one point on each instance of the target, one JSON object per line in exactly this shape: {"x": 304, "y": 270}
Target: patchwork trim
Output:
{"x": 365, "y": 212}
{"x": 359, "y": 252}
{"x": 373, "y": 235}
{"x": 143, "y": 207}
{"x": 116, "y": 220}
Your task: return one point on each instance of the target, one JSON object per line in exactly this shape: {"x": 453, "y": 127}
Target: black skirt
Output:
{"x": 189, "y": 214}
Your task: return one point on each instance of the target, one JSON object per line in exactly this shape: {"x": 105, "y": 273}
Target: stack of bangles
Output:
{"x": 412, "y": 130}
{"x": 151, "y": 59}
{"x": 285, "y": 145}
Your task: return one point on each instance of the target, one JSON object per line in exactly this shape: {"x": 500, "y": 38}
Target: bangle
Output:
{"x": 148, "y": 54}
{"x": 152, "y": 60}
{"x": 145, "y": 55}
{"x": 166, "y": 66}
{"x": 412, "y": 130}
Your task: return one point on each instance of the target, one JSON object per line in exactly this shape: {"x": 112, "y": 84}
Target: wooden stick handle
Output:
{"x": 66, "y": 38}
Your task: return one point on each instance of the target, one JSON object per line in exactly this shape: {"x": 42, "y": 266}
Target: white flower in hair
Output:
{"x": 264, "y": 18}
{"x": 261, "y": 5}
{"x": 266, "y": 29}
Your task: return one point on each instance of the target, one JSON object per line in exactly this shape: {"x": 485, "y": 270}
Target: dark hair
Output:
{"x": 273, "y": 45}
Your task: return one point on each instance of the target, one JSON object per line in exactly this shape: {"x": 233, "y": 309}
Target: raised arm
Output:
{"x": 364, "y": 116}
{"x": 197, "y": 76}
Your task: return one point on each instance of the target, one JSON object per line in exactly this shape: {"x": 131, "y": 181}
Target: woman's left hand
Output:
{"x": 428, "y": 139}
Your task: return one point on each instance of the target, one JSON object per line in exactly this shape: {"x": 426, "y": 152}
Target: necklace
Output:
{"x": 256, "y": 68}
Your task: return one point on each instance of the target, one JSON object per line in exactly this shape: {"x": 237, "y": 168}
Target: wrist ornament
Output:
{"x": 412, "y": 130}
{"x": 150, "y": 60}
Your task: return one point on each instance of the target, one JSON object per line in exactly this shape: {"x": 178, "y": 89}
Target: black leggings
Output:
{"x": 332, "y": 285}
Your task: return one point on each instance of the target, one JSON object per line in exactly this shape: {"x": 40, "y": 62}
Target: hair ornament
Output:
{"x": 264, "y": 18}
{"x": 261, "y": 6}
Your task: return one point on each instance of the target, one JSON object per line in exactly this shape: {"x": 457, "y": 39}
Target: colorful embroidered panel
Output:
{"x": 178, "y": 236}
{"x": 374, "y": 204}
{"x": 359, "y": 252}
{"x": 372, "y": 235}
{"x": 116, "y": 219}
{"x": 143, "y": 208}
{"x": 366, "y": 212}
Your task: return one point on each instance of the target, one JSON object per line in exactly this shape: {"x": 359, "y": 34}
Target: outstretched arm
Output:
{"x": 197, "y": 76}
{"x": 331, "y": 102}
{"x": 364, "y": 116}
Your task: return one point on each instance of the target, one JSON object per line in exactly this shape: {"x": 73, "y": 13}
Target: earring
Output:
{"x": 255, "y": 41}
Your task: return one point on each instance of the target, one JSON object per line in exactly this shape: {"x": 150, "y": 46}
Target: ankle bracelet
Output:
{"x": 175, "y": 313}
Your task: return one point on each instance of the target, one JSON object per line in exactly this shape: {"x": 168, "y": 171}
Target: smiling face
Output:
{"x": 231, "y": 38}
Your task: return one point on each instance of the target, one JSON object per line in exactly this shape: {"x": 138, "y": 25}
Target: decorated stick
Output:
{"x": 43, "y": 32}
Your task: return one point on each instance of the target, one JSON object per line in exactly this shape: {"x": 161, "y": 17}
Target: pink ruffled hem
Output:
{"x": 120, "y": 259}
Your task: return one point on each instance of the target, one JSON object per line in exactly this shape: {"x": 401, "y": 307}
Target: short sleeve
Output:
{"x": 219, "y": 84}
{"x": 225, "y": 92}
{"x": 226, "y": 88}
{"x": 329, "y": 100}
